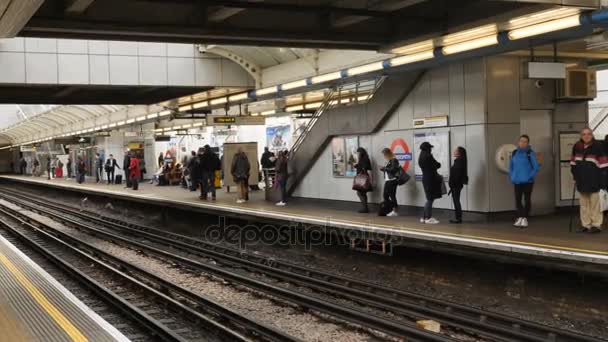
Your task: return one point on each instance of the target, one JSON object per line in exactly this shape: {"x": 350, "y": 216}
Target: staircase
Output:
{"x": 333, "y": 119}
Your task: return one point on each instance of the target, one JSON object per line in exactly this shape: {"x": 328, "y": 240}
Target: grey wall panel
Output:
{"x": 568, "y": 112}
{"x": 181, "y": 50}
{"x": 73, "y": 68}
{"x": 12, "y": 65}
{"x": 440, "y": 91}
{"x": 499, "y": 186}
{"x": 207, "y": 71}
{"x": 124, "y": 69}
{"x": 477, "y": 190}
{"x": 12, "y": 45}
{"x": 422, "y": 97}
{"x": 152, "y": 49}
{"x": 474, "y": 95}
{"x": 153, "y": 70}
{"x": 232, "y": 74}
{"x": 41, "y": 68}
{"x": 100, "y": 69}
{"x": 503, "y": 89}
{"x": 180, "y": 71}
{"x": 539, "y": 124}
{"x": 456, "y": 82}
{"x": 533, "y": 95}
{"x": 406, "y": 114}
{"x": 123, "y": 48}
{"x": 99, "y": 47}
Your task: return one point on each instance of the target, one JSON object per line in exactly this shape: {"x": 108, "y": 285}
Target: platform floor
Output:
{"x": 547, "y": 236}
{"x": 35, "y": 307}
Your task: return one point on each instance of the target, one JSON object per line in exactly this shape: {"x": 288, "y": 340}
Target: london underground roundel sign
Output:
{"x": 402, "y": 152}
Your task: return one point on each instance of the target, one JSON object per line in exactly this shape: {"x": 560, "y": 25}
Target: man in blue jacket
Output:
{"x": 522, "y": 170}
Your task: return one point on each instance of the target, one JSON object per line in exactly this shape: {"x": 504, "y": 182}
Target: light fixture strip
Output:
{"x": 470, "y": 45}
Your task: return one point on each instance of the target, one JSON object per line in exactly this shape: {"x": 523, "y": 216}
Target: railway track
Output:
{"x": 142, "y": 295}
{"x": 489, "y": 325}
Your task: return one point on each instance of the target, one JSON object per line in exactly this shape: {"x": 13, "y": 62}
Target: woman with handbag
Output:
{"x": 391, "y": 181}
{"x": 431, "y": 181}
{"x": 458, "y": 178}
{"x": 362, "y": 183}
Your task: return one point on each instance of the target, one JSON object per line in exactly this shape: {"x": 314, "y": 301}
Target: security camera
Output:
{"x": 539, "y": 83}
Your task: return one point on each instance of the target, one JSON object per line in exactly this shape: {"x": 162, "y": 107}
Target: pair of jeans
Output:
{"x": 363, "y": 198}
{"x": 456, "y": 199}
{"x": 110, "y": 175}
{"x": 243, "y": 189}
{"x": 525, "y": 191}
{"x": 390, "y": 194}
{"x": 283, "y": 186}
{"x": 208, "y": 184}
{"x": 428, "y": 209}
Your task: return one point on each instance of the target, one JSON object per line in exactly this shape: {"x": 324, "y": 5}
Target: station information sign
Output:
{"x": 241, "y": 120}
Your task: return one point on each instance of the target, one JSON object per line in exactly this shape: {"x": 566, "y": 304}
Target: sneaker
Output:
{"x": 240, "y": 201}
{"x": 518, "y": 222}
{"x": 583, "y": 230}
{"x": 524, "y": 223}
{"x": 281, "y": 204}
{"x": 392, "y": 214}
{"x": 431, "y": 220}
{"x": 595, "y": 230}
{"x": 422, "y": 219}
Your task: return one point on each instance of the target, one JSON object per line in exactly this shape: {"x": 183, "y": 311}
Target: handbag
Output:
{"x": 444, "y": 189}
{"x": 402, "y": 177}
{"x": 603, "y": 200}
{"x": 362, "y": 182}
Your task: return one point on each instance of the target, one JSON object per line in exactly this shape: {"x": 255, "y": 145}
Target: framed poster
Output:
{"x": 441, "y": 151}
{"x": 338, "y": 157}
{"x": 351, "y": 145}
{"x": 278, "y": 138}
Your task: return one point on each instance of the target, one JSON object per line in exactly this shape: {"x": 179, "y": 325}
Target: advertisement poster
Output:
{"x": 278, "y": 138}
{"x": 338, "y": 157}
{"x": 300, "y": 127}
{"x": 441, "y": 151}
{"x": 351, "y": 145}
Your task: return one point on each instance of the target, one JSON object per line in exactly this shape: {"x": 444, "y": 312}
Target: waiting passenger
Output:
{"x": 98, "y": 167}
{"x": 522, "y": 170}
{"x": 48, "y": 167}
{"x": 58, "y": 168}
{"x": 588, "y": 166}
{"x": 22, "y": 166}
{"x": 431, "y": 181}
{"x": 110, "y": 167}
{"x": 209, "y": 163}
{"x": 282, "y": 174}
{"x": 363, "y": 166}
{"x": 69, "y": 167}
{"x": 53, "y": 166}
{"x": 36, "y": 167}
{"x": 458, "y": 178}
{"x": 126, "y": 162}
{"x": 391, "y": 181}
{"x": 134, "y": 172}
{"x": 161, "y": 160}
{"x": 80, "y": 170}
{"x": 240, "y": 172}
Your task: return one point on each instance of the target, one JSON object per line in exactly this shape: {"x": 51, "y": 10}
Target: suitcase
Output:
{"x": 118, "y": 179}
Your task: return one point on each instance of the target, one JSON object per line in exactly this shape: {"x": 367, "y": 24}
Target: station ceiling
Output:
{"x": 335, "y": 24}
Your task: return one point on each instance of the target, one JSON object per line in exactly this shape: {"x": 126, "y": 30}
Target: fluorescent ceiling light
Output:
{"x": 326, "y": 77}
{"x": 120, "y": 123}
{"x": 164, "y": 113}
{"x": 294, "y": 108}
{"x": 269, "y": 112}
{"x": 184, "y": 108}
{"x": 158, "y": 130}
{"x": 104, "y": 126}
{"x": 141, "y": 118}
{"x": 413, "y": 48}
{"x": 112, "y": 125}
{"x": 546, "y": 27}
{"x": 152, "y": 116}
{"x": 458, "y": 37}
{"x": 294, "y": 84}
{"x": 186, "y": 126}
{"x": 218, "y": 101}
{"x": 254, "y": 114}
{"x": 266, "y": 91}
{"x": 238, "y": 97}
{"x": 176, "y": 127}
{"x": 197, "y": 124}
{"x": 167, "y": 129}
{"x": 411, "y": 58}
{"x": 130, "y": 121}
{"x": 542, "y": 16}
{"x": 365, "y": 68}
{"x": 470, "y": 45}
{"x": 200, "y": 105}
{"x": 313, "y": 105}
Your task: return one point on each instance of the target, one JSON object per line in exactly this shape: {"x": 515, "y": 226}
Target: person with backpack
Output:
{"x": 458, "y": 178}
{"x": 391, "y": 180}
{"x": 431, "y": 181}
{"x": 363, "y": 166}
{"x": 588, "y": 164}
{"x": 523, "y": 168}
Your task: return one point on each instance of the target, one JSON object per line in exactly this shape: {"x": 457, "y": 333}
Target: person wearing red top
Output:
{"x": 134, "y": 172}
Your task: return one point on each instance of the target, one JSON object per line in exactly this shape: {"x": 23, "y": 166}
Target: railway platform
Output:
{"x": 35, "y": 307}
{"x": 547, "y": 241}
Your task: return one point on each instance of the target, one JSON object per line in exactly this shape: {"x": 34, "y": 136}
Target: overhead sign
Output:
{"x": 134, "y": 134}
{"x": 103, "y": 134}
{"x": 181, "y": 132}
{"x": 27, "y": 148}
{"x": 243, "y": 120}
{"x": 436, "y": 121}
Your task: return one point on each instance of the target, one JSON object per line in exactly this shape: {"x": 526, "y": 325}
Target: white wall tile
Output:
{"x": 72, "y": 46}
{"x": 99, "y": 71}
{"x": 12, "y": 66}
{"x": 181, "y": 50}
{"x": 12, "y": 44}
{"x": 40, "y": 45}
{"x": 73, "y": 69}
{"x": 181, "y": 71}
{"x": 124, "y": 70}
{"x": 99, "y": 47}
{"x": 207, "y": 71}
{"x": 152, "y": 70}
{"x": 152, "y": 49}
{"x": 232, "y": 74}
{"x": 120, "y": 48}
{"x": 41, "y": 68}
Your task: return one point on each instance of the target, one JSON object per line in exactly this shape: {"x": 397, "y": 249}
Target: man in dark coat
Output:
{"x": 431, "y": 181}
{"x": 126, "y": 162}
{"x": 240, "y": 171}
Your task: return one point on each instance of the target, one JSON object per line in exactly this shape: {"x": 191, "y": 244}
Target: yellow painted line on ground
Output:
{"x": 482, "y": 238}
{"x": 50, "y": 309}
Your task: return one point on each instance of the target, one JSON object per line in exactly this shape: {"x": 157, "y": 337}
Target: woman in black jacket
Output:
{"x": 391, "y": 174}
{"x": 431, "y": 181}
{"x": 363, "y": 165}
{"x": 458, "y": 178}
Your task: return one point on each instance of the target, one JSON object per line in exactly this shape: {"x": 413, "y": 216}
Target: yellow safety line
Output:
{"x": 532, "y": 244}
{"x": 50, "y": 309}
